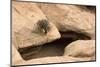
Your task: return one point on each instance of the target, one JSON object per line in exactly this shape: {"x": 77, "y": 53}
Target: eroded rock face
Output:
{"x": 25, "y": 26}
{"x": 16, "y": 57}
{"x": 81, "y": 48}
{"x": 44, "y": 31}
{"x": 70, "y": 17}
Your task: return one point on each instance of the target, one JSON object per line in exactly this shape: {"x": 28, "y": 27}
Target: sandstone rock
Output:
{"x": 70, "y": 17}
{"x": 16, "y": 57}
{"x": 17, "y": 60}
{"x": 56, "y": 59}
{"x": 25, "y": 28}
{"x": 36, "y": 24}
{"x": 81, "y": 48}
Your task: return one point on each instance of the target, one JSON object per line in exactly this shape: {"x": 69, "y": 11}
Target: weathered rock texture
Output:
{"x": 52, "y": 33}
{"x": 70, "y": 17}
{"x": 81, "y": 48}
{"x": 25, "y": 28}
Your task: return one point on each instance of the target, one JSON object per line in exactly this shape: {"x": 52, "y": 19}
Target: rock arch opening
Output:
{"x": 55, "y": 48}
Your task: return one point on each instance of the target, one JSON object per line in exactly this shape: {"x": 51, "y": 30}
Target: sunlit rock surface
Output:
{"x": 39, "y": 29}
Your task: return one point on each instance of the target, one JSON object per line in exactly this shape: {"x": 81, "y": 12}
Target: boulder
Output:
{"x": 37, "y": 27}
{"x": 70, "y": 17}
{"x": 81, "y": 48}
{"x": 25, "y": 26}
